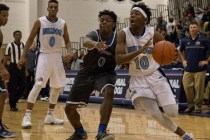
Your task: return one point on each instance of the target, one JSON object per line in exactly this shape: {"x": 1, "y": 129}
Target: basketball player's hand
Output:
{"x": 184, "y": 62}
{"x": 101, "y": 46}
{"x": 202, "y": 63}
{"x": 176, "y": 56}
{"x": 67, "y": 58}
{"x": 5, "y": 75}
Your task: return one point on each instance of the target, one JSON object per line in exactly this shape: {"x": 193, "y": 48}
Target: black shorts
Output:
{"x": 85, "y": 83}
{"x": 2, "y": 86}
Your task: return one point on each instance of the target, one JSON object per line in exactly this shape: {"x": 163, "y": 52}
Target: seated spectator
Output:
{"x": 76, "y": 62}
{"x": 169, "y": 26}
{"x": 176, "y": 28}
{"x": 165, "y": 35}
{"x": 161, "y": 22}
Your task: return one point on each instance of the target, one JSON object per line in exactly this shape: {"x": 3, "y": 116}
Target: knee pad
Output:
{"x": 34, "y": 93}
{"x": 54, "y": 93}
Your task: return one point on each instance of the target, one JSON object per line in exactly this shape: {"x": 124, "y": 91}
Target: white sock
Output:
{"x": 28, "y": 113}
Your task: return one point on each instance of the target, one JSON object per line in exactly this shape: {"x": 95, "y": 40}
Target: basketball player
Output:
{"x": 98, "y": 74}
{"x": 4, "y": 13}
{"x": 149, "y": 87}
{"x": 51, "y": 30}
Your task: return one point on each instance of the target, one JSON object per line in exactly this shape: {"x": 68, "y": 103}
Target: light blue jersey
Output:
{"x": 144, "y": 64}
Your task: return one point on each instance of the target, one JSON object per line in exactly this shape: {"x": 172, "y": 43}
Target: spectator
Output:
{"x": 176, "y": 28}
{"x": 190, "y": 10}
{"x": 161, "y": 22}
{"x": 81, "y": 54}
{"x": 204, "y": 23}
{"x": 165, "y": 35}
{"x": 76, "y": 62}
{"x": 169, "y": 26}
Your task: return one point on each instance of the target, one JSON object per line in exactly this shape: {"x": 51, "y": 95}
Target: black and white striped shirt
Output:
{"x": 14, "y": 51}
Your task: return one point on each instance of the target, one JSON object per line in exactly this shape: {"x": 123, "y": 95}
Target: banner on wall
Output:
{"x": 122, "y": 83}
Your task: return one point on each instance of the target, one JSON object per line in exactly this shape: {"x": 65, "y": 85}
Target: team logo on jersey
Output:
{"x": 52, "y": 31}
{"x": 101, "y": 61}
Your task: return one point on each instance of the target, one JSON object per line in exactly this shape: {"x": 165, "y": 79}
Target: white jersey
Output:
{"x": 51, "y": 35}
{"x": 144, "y": 64}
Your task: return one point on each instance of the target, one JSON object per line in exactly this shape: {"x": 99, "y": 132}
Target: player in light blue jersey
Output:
{"x": 51, "y": 30}
{"x": 148, "y": 84}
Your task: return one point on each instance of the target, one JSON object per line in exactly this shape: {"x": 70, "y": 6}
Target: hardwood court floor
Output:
{"x": 126, "y": 124}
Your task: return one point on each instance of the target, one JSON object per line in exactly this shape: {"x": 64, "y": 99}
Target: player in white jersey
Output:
{"x": 51, "y": 31}
{"x": 148, "y": 85}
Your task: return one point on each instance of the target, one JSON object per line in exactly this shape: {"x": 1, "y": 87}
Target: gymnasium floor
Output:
{"x": 126, "y": 124}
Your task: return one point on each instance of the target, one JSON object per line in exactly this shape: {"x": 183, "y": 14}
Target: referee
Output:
{"x": 17, "y": 81}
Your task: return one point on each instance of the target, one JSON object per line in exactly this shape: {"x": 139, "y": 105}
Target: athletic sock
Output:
{"x": 80, "y": 130}
{"x": 28, "y": 113}
{"x": 102, "y": 127}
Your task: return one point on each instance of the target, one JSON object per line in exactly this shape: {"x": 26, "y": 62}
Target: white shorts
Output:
{"x": 50, "y": 66}
{"x": 153, "y": 86}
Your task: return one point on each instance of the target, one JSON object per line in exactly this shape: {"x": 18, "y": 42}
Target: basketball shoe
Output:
{"x": 104, "y": 135}
{"x": 188, "y": 136}
{"x": 78, "y": 136}
{"x": 26, "y": 123}
{"x": 51, "y": 119}
{"x": 5, "y": 133}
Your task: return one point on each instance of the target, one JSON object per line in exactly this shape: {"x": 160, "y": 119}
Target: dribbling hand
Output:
{"x": 176, "y": 56}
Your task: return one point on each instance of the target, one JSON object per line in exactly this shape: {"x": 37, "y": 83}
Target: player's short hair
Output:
{"x": 3, "y": 7}
{"x": 109, "y": 13}
{"x": 17, "y": 31}
{"x": 146, "y": 9}
{"x": 52, "y": 1}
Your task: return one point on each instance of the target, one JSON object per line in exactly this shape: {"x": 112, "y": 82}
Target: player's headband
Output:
{"x": 140, "y": 10}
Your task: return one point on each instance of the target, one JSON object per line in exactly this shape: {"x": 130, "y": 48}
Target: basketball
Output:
{"x": 164, "y": 52}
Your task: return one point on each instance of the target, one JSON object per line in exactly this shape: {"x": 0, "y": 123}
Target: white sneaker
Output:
{"x": 51, "y": 119}
{"x": 26, "y": 123}
{"x": 44, "y": 99}
{"x": 188, "y": 136}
